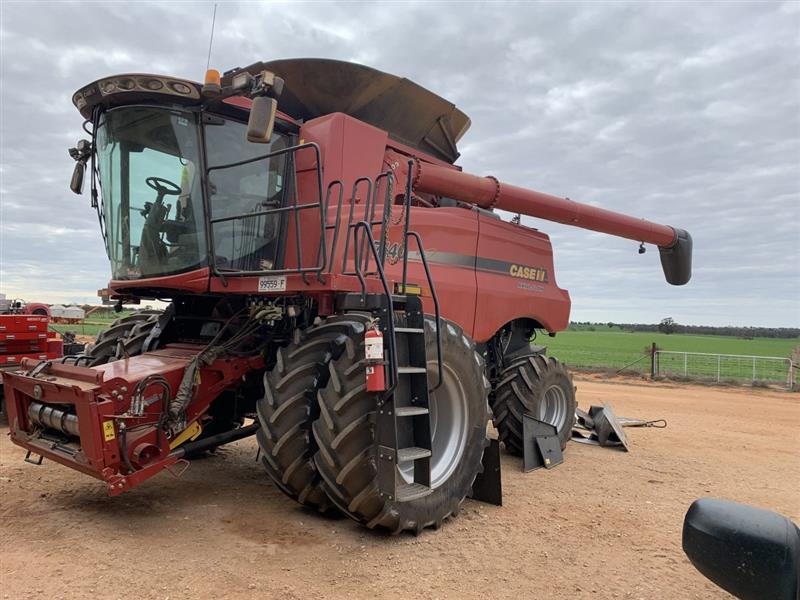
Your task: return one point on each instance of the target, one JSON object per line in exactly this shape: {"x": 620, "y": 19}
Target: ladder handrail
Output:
{"x": 390, "y": 303}
{"x": 435, "y": 298}
{"x": 429, "y": 277}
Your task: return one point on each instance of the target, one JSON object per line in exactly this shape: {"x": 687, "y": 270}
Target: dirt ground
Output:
{"x": 604, "y": 524}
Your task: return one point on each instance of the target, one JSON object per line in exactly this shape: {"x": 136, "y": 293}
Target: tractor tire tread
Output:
{"x": 289, "y": 406}
{"x": 520, "y": 388}
{"x": 344, "y": 433}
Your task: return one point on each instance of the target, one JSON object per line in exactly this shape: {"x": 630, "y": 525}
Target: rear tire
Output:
{"x": 345, "y": 434}
{"x": 289, "y": 406}
{"x": 539, "y": 385}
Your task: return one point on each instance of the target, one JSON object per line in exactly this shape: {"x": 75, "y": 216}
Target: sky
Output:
{"x": 687, "y": 114}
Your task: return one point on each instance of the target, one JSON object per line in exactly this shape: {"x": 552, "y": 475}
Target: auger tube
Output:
{"x": 675, "y": 245}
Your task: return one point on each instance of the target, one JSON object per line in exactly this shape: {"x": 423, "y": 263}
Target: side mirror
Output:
{"x": 749, "y": 552}
{"x": 262, "y": 119}
{"x": 80, "y": 153}
{"x": 76, "y": 183}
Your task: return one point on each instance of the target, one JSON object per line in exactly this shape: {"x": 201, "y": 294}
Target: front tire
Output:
{"x": 345, "y": 434}
{"x": 289, "y": 406}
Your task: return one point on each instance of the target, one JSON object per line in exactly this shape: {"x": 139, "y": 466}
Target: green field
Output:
{"x": 614, "y": 349}
{"x": 581, "y": 346}
{"x": 93, "y": 325}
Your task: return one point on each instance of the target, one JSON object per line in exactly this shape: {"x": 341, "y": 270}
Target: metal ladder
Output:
{"x": 402, "y": 424}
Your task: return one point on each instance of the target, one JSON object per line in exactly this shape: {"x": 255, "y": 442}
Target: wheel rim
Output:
{"x": 553, "y": 408}
{"x": 449, "y": 427}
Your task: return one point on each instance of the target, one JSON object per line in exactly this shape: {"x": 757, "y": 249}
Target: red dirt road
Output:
{"x": 605, "y": 524}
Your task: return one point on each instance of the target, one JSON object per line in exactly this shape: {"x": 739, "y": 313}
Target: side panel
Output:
{"x": 349, "y": 149}
{"x": 450, "y": 240}
{"x": 515, "y": 278}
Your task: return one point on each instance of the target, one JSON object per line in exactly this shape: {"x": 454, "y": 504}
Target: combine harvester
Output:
{"x": 284, "y": 210}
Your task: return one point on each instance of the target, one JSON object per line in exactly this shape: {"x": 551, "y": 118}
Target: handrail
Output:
{"x": 435, "y": 298}
{"x": 406, "y": 222}
{"x": 295, "y": 207}
{"x": 368, "y": 181}
{"x": 390, "y": 303}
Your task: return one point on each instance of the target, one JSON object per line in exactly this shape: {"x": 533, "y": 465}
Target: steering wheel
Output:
{"x": 164, "y": 187}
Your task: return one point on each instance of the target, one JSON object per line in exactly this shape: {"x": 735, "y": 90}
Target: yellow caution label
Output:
{"x": 108, "y": 431}
{"x": 411, "y": 288}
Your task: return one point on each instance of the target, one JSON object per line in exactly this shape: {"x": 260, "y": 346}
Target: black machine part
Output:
{"x": 541, "y": 444}
{"x": 213, "y": 441}
{"x": 488, "y": 485}
{"x": 676, "y": 260}
{"x": 750, "y": 552}
{"x": 607, "y": 427}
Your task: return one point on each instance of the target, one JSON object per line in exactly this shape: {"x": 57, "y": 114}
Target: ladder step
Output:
{"x": 409, "y": 370}
{"x": 412, "y": 491}
{"x": 409, "y": 330}
{"x": 411, "y": 411}
{"x": 412, "y": 453}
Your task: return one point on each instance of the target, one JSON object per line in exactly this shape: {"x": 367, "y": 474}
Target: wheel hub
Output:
{"x": 553, "y": 408}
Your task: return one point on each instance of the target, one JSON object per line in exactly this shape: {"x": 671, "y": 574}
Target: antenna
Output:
{"x": 211, "y": 41}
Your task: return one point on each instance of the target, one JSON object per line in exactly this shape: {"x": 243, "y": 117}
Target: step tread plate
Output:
{"x": 412, "y": 491}
{"x": 411, "y": 370}
{"x": 409, "y": 330}
{"x": 411, "y": 411}
{"x": 412, "y": 453}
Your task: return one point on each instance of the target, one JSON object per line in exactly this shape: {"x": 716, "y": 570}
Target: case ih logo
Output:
{"x": 531, "y": 273}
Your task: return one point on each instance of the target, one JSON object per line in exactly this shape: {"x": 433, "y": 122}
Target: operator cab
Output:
{"x": 149, "y": 164}
{"x": 188, "y": 176}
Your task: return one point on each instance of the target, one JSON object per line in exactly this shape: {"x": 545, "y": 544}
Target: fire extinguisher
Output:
{"x": 373, "y": 350}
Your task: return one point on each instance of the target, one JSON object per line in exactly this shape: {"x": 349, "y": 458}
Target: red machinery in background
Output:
{"x": 27, "y": 336}
{"x": 24, "y": 333}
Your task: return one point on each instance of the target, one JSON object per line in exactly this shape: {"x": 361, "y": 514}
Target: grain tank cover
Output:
{"x": 408, "y": 112}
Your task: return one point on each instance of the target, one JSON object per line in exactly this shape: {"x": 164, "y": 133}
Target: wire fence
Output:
{"x": 696, "y": 366}
{"x": 607, "y": 360}
{"x": 727, "y": 368}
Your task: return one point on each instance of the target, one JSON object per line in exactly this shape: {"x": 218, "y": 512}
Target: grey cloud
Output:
{"x": 687, "y": 114}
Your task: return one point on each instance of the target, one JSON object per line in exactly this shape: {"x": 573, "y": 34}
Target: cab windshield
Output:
{"x": 149, "y": 168}
{"x": 150, "y": 176}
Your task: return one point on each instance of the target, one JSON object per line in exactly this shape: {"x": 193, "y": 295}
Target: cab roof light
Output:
{"x": 241, "y": 81}
{"x": 212, "y": 85}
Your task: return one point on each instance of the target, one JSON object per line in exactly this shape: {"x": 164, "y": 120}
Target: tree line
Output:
{"x": 668, "y": 325}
